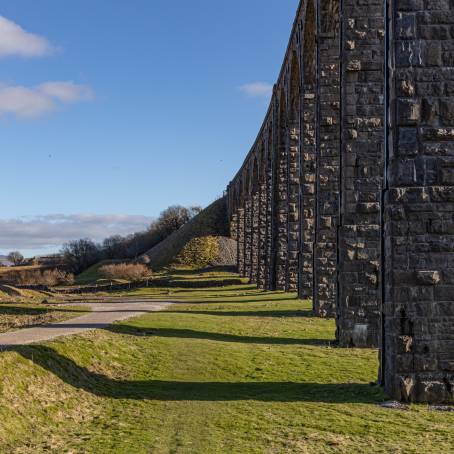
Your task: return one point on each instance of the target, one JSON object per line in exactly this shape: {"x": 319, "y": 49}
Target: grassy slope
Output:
{"x": 231, "y": 370}
{"x": 211, "y": 221}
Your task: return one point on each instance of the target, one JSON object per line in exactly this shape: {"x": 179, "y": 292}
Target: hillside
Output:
{"x": 202, "y": 241}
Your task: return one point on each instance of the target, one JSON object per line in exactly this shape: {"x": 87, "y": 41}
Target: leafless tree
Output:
{"x": 80, "y": 254}
{"x": 16, "y": 258}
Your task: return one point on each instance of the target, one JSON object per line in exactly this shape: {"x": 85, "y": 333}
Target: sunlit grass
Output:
{"x": 231, "y": 370}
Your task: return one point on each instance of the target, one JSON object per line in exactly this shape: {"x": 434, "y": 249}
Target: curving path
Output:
{"x": 103, "y": 314}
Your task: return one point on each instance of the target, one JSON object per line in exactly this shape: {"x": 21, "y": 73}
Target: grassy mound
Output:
{"x": 232, "y": 370}
{"x": 197, "y": 236}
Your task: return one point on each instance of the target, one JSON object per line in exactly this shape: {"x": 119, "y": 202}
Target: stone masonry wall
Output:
{"x": 281, "y": 213}
{"x": 262, "y": 219}
{"x": 419, "y": 310}
{"x": 293, "y": 233}
{"x": 255, "y": 237}
{"x": 354, "y": 200}
{"x": 269, "y": 262}
{"x": 362, "y": 172}
{"x": 240, "y": 240}
{"x": 248, "y": 237}
{"x": 328, "y": 153}
{"x": 308, "y": 201}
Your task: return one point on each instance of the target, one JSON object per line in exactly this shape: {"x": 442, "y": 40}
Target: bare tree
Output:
{"x": 174, "y": 217}
{"x": 80, "y": 254}
{"x": 114, "y": 247}
{"x": 16, "y": 258}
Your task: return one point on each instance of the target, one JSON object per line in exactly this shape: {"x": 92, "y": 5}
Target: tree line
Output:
{"x": 78, "y": 255}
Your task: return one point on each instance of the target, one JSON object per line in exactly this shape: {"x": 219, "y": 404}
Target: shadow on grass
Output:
{"x": 162, "y": 390}
{"x": 204, "y": 335}
{"x": 233, "y": 289}
{"x": 231, "y": 270}
{"x": 214, "y": 299}
{"x": 24, "y": 310}
{"x": 277, "y": 314}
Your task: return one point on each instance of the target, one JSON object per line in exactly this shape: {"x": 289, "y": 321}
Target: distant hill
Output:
{"x": 203, "y": 241}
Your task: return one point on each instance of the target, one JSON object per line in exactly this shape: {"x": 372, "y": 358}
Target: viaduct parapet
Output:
{"x": 347, "y": 195}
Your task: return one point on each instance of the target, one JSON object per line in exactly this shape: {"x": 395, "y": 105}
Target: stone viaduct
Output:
{"x": 347, "y": 195}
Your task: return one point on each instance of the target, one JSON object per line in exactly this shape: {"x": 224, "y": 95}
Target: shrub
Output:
{"x": 39, "y": 277}
{"x": 199, "y": 252}
{"x": 126, "y": 271}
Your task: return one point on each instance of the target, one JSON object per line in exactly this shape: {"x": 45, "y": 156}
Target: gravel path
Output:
{"x": 103, "y": 314}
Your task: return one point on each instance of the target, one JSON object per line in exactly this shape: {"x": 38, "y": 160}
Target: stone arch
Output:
{"x": 236, "y": 194}
{"x": 309, "y": 45}
{"x": 254, "y": 174}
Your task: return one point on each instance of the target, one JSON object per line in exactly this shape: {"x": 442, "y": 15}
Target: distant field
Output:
{"x": 12, "y": 269}
{"x": 175, "y": 273}
{"x": 228, "y": 370}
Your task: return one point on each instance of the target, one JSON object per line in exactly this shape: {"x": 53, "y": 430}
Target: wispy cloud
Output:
{"x": 14, "y": 40}
{"x": 51, "y": 231}
{"x": 257, "y": 90}
{"x": 24, "y": 102}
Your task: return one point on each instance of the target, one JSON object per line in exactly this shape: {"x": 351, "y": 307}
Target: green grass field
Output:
{"x": 230, "y": 370}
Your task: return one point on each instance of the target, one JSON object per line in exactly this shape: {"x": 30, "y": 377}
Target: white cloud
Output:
{"x": 14, "y": 40}
{"x": 257, "y": 90}
{"x": 51, "y": 231}
{"x": 33, "y": 102}
{"x": 66, "y": 91}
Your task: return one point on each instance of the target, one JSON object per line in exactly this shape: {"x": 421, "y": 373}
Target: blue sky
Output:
{"x": 111, "y": 110}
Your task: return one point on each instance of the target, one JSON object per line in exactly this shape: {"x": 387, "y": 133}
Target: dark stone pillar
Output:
{"x": 362, "y": 172}
{"x": 248, "y": 238}
{"x": 262, "y": 265}
{"x": 308, "y": 168}
{"x": 328, "y": 141}
{"x": 255, "y": 237}
{"x": 269, "y": 262}
{"x": 281, "y": 213}
{"x": 241, "y": 241}
{"x": 293, "y": 234}
{"x": 234, "y": 225}
{"x": 418, "y": 360}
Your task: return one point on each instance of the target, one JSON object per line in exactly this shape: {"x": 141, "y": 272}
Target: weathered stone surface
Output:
{"x": 348, "y": 193}
{"x": 419, "y": 299}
